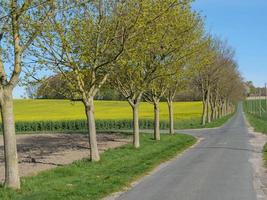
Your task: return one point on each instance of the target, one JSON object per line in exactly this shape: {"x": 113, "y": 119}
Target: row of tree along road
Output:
{"x": 144, "y": 49}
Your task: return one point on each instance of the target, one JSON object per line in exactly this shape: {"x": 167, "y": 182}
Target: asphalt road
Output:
{"x": 217, "y": 168}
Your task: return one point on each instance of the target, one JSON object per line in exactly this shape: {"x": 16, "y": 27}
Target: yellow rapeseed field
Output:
{"x": 37, "y": 110}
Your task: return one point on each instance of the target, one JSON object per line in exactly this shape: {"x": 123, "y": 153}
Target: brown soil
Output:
{"x": 39, "y": 152}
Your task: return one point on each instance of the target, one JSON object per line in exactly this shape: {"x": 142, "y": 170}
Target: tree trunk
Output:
{"x": 224, "y": 108}
{"x": 89, "y": 110}
{"x": 212, "y": 112}
{"x": 171, "y": 120}
{"x": 221, "y": 109}
{"x": 216, "y": 110}
{"x": 12, "y": 179}
{"x": 208, "y": 106}
{"x": 211, "y": 103}
{"x": 204, "y": 112}
{"x": 136, "y": 139}
{"x": 156, "y": 121}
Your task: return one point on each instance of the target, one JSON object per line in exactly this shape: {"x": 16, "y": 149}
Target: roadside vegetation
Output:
{"x": 219, "y": 122}
{"x": 259, "y": 124}
{"x": 265, "y": 154}
{"x": 117, "y": 169}
{"x": 146, "y": 50}
{"x": 257, "y": 117}
{"x": 255, "y": 110}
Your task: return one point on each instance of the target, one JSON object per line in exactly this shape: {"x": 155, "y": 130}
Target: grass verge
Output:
{"x": 259, "y": 125}
{"x": 86, "y": 180}
{"x": 265, "y": 153}
{"x": 218, "y": 122}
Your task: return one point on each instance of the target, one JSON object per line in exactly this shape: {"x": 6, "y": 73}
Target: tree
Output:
{"x": 176, "y": 82}
{"x": 251, "y": 88}
{"x": 179, "y": 80}
{"x": 20, "y": 23}
{"x": 57, "y": 87}
{"x": 216, "y": 74}
{"x": 54, "y": 87}
{"x": 157, "y": 89}
{"x": 201, "y": 74}
{"x": 187, "y": 27}
{"x": 162, "y": 30}
{"x": 231, "y": 90}
{"x": 81, "y": 44}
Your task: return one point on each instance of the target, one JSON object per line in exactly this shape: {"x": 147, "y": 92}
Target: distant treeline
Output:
{"x": 52, "y": 88}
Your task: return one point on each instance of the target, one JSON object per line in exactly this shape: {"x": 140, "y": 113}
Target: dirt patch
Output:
{"x": 39, "y": 152}
{"x": 257, "y": 141}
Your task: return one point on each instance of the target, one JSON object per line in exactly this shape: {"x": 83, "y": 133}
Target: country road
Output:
{"x": 217, "y": 168}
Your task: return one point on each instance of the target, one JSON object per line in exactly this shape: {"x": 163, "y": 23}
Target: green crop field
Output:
{"x": 38, "y": 110}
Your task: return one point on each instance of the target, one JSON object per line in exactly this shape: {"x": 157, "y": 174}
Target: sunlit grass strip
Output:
{"x": 84, "y": 180}
{"x": 259, "y": 124}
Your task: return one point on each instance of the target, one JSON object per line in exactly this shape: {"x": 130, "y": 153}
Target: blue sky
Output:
{"x": 244, "y": 24}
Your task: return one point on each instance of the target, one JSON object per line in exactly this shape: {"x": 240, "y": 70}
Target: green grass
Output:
{"x": 85, "y": 180}
{"x": 254, "y": 107}
{"x": 265, "y": 154}
{"x": 218, "y": 122}
{"x": 260, "y": 125}
{"x": 57, "y": 110}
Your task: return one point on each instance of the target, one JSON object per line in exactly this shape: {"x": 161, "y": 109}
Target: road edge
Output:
{"x": 116, "y": 195}
{"x": 257, "y": 141}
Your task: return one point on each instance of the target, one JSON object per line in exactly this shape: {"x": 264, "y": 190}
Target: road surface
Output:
{"x": 217, "y": 168}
